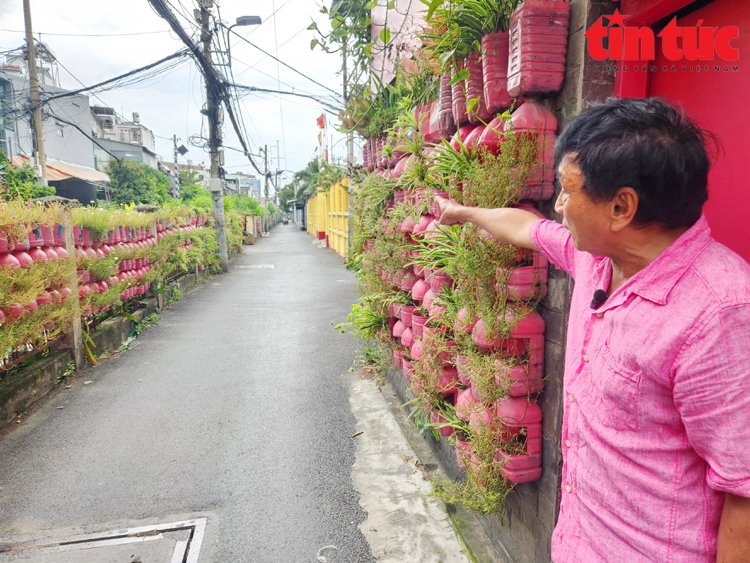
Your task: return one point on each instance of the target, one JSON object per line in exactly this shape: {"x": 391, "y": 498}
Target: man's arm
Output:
{"x": 507, "y": 225}
{"x": 734, "y": 530}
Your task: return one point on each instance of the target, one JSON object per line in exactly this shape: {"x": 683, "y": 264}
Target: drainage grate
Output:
{"x": 176, "y": 542}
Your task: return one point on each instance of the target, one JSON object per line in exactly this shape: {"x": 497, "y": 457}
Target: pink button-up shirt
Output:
{"x": 656, "y": 425}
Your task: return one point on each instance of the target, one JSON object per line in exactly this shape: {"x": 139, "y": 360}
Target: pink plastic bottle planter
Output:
{"x": 538, "y": 46}
{"x": 527, "y": 335}
{"x": 446, "y": 123}
{"x": 417, "y": 324}
{"x": 521, "y": 422}
{"x": 417, "y": 350}
{"x": 437, "y": 418}
{"x": 439, "y": 281}
{"x": 532, "y": 118}
{"x": 461, "y": 135}
{"x": 407, "y": 368}
{"x": 458, "y": 98}
{"x": 491, "y": 139}
{"x": 407, "y": 281}
{"x": 47, "y": 236}
{"x": 392, "y": 310}
{"x": 525, "y": 379}
{"x": 4, "y": 243}
{"x": 38, "y": 255}
{"x": 475, "y": 91}
{"x": 431, "y": 128}
{"x": 406, "y": 226}
{"x": 398, "y": 330}
{"x": 23, "y": 258}
{"x": 466, "y": 403}
{"x": 448, "y": 381}
{"x": 9, "y": 261}
{"x": 447, "y": 358}
{"x": 495, "y": 48}
{"x": 35, "y": 237}
{"x": 464, "y": 321}
{"x": 472, "y": 139}
{"x": 434, "y": 208}
{"x": 402, "y": 165}
{"x": 525, "y": 282}
{"x": 429, "y": 299}
{"x": 462, "y": 369}
{"x": 436, "y": 312}
{"x": 406, "y": 313}
{"x": 422, "y": 224}
{"x": 483, "y": 416}
{"x": 407, "y": 337}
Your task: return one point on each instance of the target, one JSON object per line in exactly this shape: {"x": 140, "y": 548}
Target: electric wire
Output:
{"x": 337, "y": 94}
{"x": 90, "y": 34}
{"x": 278, "y": 82}
{"x": 85, "y": 134}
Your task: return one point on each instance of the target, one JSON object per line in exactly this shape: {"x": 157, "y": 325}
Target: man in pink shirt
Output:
{"x": 656, "y": 425}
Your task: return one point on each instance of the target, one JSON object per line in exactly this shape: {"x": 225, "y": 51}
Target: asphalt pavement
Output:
{"x": 231, "y": 431}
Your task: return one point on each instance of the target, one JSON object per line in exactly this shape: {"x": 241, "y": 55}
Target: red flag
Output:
{"x": 321, "y": 121}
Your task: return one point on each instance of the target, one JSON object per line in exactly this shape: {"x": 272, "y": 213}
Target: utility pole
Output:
{"x": 39, "y": 154}
{"x": 349, "y": 160}
{"x": 265, "y": 176}
{"x": 278, "y": 173}
{"x": 176, "y": 190}
{"x": 214, "y": 139}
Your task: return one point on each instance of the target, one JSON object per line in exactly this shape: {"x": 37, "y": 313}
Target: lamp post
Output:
{"x": 242, "y": 21}
{"x": 213, "y": 101}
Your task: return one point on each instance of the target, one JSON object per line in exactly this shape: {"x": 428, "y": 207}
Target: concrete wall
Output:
{"x": 404, "y": 19}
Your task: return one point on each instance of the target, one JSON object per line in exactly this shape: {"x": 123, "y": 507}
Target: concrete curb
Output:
{"x": 480, "y": 534}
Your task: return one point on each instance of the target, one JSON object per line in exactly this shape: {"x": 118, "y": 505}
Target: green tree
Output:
{"x": 19, "y": 182}
{"x": 134, "y": 182}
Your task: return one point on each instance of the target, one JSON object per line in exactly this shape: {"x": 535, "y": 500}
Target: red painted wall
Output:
{"x": 717, "y": 101}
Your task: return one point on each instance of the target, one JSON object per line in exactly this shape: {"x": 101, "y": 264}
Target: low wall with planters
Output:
{"x": 64, "y": 272}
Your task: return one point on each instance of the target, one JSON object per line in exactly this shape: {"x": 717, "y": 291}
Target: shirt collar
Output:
{"x": 655, "y": 281}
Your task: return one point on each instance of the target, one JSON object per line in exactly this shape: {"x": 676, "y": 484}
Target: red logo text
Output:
{"x": 617, "y": 42}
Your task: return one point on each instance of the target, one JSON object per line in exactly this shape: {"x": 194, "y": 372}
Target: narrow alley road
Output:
{"x": 234, "y": 406}
{"x": 232, "y": 431}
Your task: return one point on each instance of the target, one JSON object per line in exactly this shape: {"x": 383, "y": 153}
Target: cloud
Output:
{"x": 171, "y": 104}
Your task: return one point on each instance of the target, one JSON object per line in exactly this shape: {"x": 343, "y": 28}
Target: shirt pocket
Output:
{"x": 617, "y": 388}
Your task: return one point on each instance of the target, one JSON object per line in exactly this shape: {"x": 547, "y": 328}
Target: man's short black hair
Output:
{"x": 645, "y": 144}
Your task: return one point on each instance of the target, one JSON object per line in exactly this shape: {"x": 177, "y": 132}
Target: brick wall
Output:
{"x": 532, "y": 509}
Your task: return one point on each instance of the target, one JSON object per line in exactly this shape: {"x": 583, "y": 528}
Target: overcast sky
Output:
{"x": 170, "y": 104}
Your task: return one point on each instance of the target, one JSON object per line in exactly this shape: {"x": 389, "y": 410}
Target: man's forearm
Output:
{"x": 507, "y": 225}
{"x": 734, "y": 531}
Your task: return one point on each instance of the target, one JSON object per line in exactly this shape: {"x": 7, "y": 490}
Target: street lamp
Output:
{"x": 242, "y": 21}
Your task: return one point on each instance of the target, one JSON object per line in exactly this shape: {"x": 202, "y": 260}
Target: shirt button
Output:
{"x": 568, "y": 488}
{"x": 585, "y": 357}
{"x": 567, "y": 443}
{"x": 599, "y": 315}
{"x": 571, "y": 398}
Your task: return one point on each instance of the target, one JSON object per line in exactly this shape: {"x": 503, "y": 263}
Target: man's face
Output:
{"x": 586, "y": 219}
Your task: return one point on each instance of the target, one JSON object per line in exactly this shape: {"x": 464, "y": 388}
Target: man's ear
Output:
{"x": 623, "y": 208}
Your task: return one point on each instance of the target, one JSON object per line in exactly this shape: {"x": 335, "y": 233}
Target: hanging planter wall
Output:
{"x": 538, "y": 47}
{"x": 495, "y": 47}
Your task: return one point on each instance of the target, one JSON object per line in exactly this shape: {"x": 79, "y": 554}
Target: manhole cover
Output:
{"x": 176, "y": 542}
